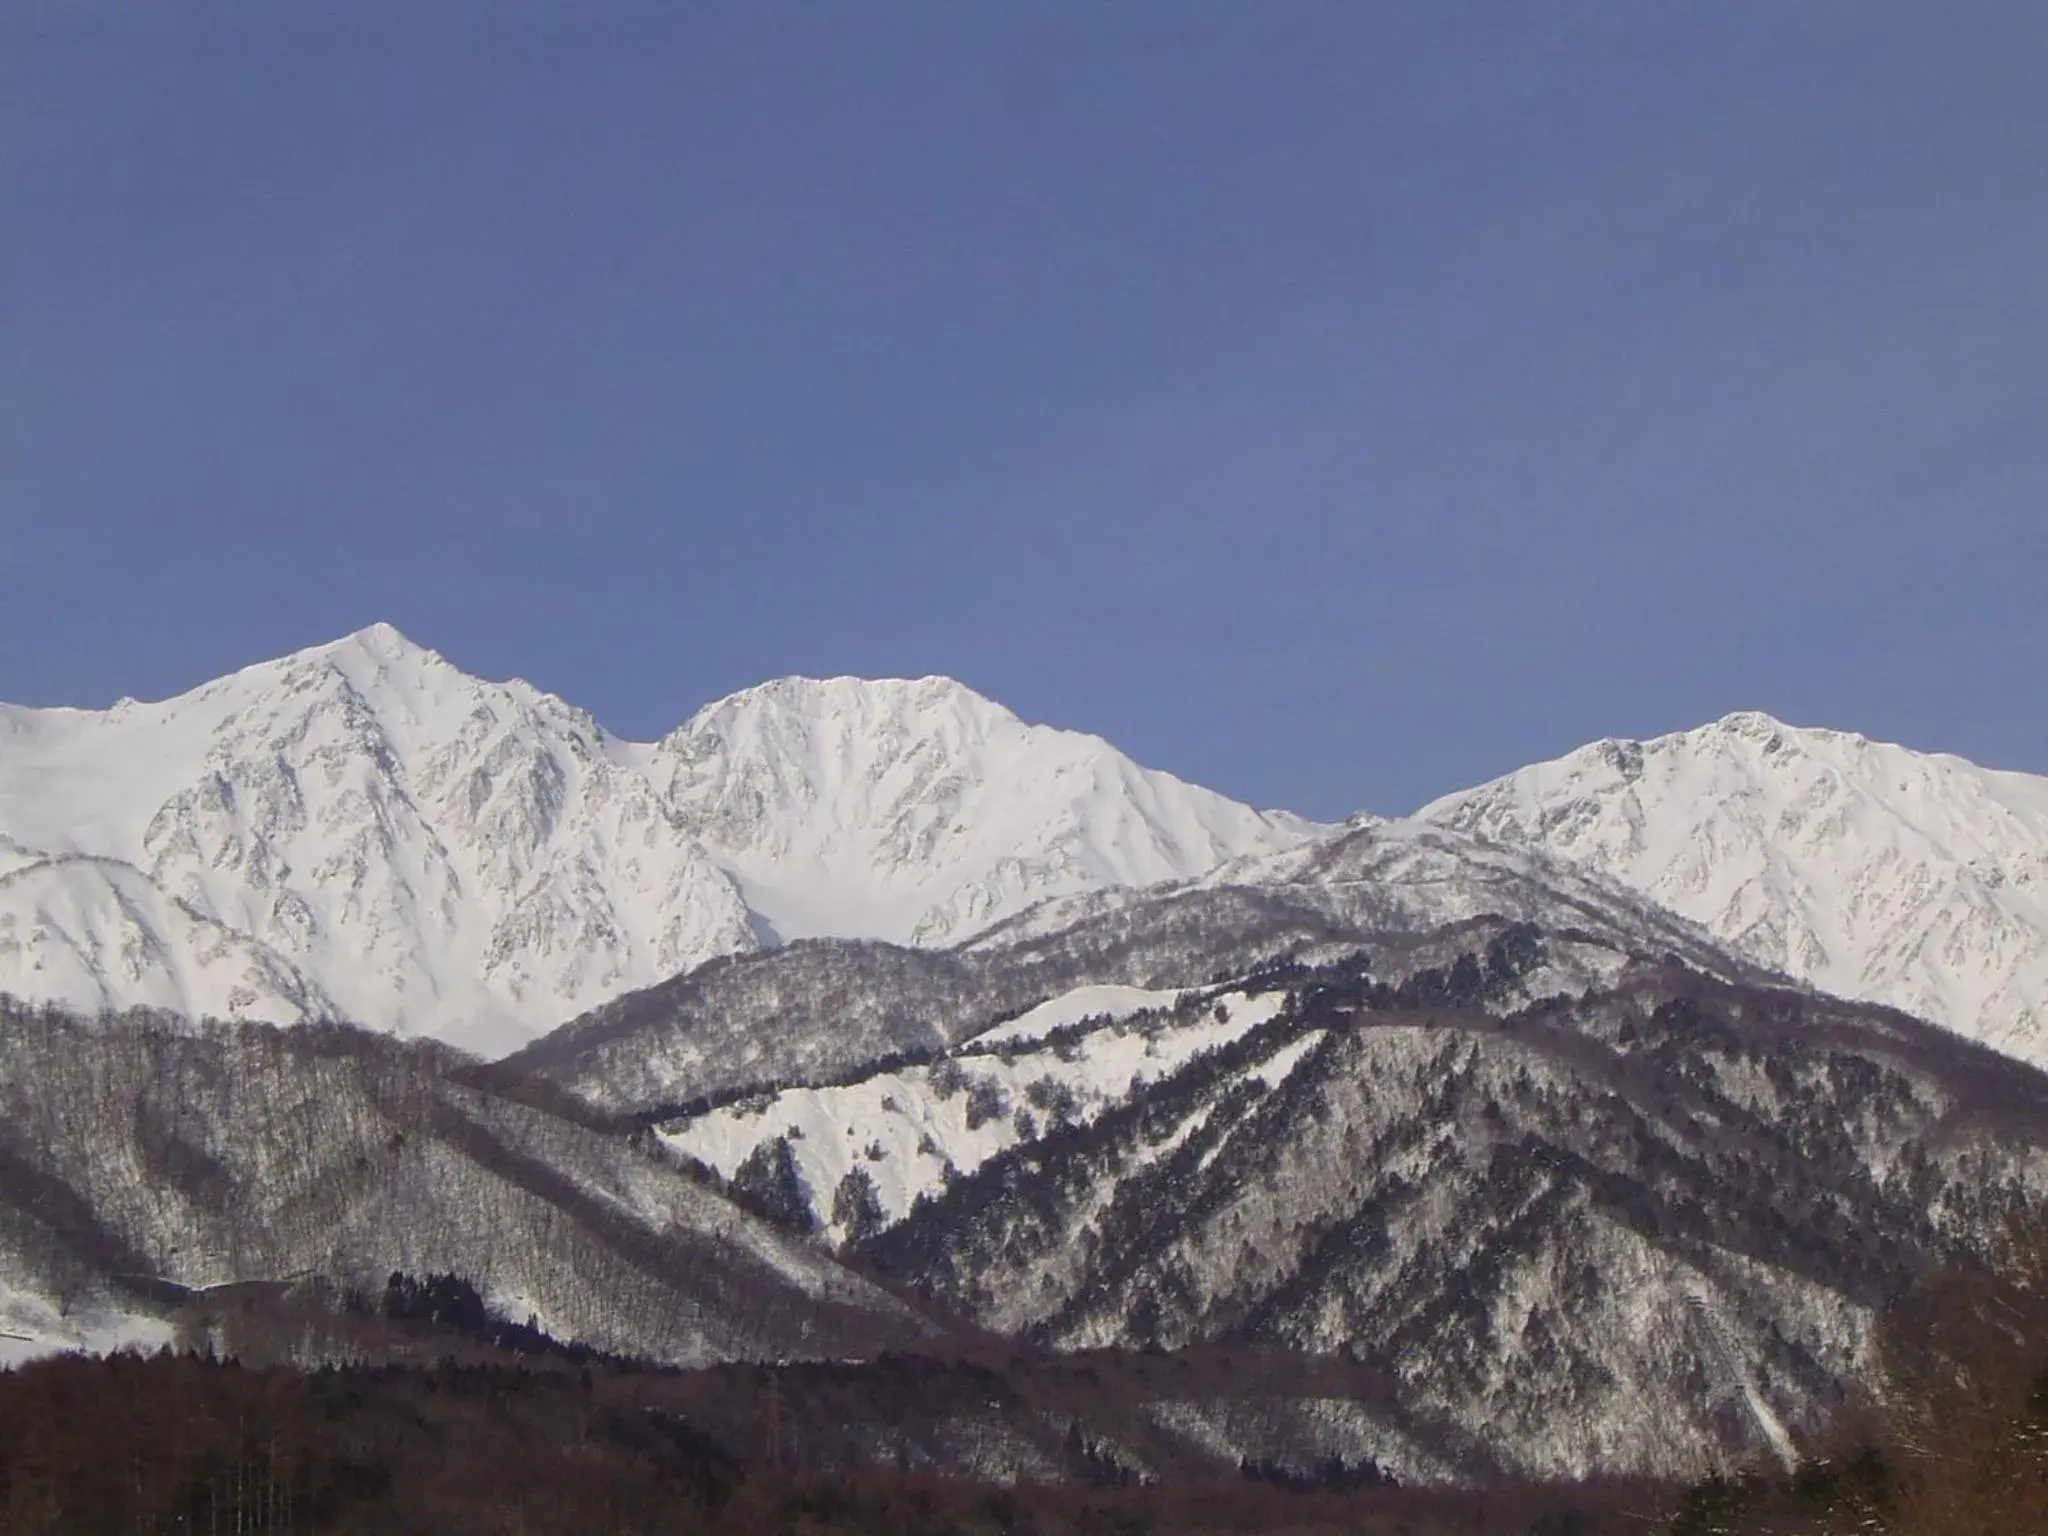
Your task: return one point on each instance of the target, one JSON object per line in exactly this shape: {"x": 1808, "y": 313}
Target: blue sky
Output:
{"x": 1333, "y": 404}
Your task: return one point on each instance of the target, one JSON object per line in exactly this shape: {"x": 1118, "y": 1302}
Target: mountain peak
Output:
{"x": 380, "y": 638}
{"x": 365, "y": 659}
{"x": 920, "y": 811}
{"x": 1773, "y": 733}
{"x": 1751, "y": 722}
{"x": 854, "y": 698}
{"x": 382, "y": 646}
{"x": 1868, "y": 869}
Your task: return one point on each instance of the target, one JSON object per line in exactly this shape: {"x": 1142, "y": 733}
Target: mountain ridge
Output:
{"x": 361, "y": 829}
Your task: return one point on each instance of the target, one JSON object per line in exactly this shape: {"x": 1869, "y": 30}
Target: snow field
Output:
{"x": 911, "y": 1130}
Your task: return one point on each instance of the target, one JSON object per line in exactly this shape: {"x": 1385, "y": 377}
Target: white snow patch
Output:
{"x": 31, "y": 1328}
{"x": 913, "y": 1128}
{"x": 1106, "y": 1001}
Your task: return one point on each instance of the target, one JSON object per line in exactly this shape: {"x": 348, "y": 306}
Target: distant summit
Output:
{"x": 1864, "y": 868}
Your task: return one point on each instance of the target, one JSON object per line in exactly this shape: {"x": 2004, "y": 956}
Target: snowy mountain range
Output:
{"x": 363, "y": 831}
{"x": 1528, "y": 1114}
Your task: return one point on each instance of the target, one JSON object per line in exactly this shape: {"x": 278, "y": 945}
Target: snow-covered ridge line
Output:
{"x": 362, "y": 830}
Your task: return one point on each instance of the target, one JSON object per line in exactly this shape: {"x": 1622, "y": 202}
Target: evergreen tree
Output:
{"x": 770, "y": 1184}
{"x": 857, "y": 1207}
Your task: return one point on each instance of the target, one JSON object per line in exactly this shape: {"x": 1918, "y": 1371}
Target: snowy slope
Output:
{"x": 364, "y": 830}
{"x": 1864, "y": 868}
{"x": 916, "y": 1119}
{"x": 101, "y": 933}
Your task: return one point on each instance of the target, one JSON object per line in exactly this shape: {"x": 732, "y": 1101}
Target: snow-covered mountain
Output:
{"x": 363, "y": 830}
{"x": 1869, "y": 870}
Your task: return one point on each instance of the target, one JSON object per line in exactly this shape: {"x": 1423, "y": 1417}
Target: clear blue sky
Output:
{"x": 1334, "y": 404}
